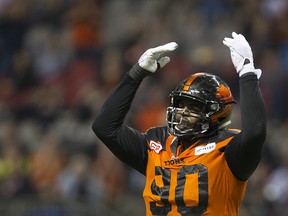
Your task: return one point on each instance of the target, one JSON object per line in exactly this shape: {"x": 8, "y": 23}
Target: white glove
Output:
{"x": 151, "y": 60}
{"x": 241, "y": 54}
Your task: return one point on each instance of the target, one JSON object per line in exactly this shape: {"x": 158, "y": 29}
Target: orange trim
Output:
{"x": 222, "y": 113}
{"x": 189, "y": 81}
{"x": 169, "y": 141}
{"x": 178, "y": 151}
{"x": 223, "y": 92}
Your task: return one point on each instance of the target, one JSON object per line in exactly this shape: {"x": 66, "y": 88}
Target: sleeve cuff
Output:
{"x": 138, "y": 73}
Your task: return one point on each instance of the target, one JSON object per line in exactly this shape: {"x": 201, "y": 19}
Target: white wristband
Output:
{"x": 248, "y": 68}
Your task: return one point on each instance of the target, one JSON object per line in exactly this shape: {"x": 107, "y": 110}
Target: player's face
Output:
{"x": 187, "y": 115}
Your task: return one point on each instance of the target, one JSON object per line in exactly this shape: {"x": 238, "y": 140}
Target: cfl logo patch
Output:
{"x": 157, "y": 147}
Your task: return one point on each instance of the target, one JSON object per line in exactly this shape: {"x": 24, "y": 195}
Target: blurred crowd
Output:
{"x": 59, "y": 59}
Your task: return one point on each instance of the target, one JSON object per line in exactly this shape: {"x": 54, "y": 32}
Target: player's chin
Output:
{"x": 183, "y": 126}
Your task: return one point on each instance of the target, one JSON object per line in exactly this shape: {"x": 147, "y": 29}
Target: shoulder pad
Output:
{"x": 157, "y": 134}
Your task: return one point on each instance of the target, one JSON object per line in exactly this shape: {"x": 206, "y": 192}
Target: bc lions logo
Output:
{"x": 157, "y": 147}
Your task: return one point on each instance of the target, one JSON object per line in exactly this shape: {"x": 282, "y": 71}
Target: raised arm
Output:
{"x": 244, "y": 152}
{"x": 126, "y": 143}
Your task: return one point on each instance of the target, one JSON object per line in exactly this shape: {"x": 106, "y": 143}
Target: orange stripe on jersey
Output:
{"x": 169, "y": 141}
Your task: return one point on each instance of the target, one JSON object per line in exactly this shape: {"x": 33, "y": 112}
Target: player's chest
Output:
{"x": 175, "y": 159}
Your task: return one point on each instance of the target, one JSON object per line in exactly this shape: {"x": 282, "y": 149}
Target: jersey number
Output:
{"x": 163, "y": 192}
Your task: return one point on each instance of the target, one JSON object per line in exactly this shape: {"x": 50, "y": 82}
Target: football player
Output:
{"x": 195, "y": 165}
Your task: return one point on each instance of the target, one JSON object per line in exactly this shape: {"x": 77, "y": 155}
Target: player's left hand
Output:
{"x": 151, "y": 60}
{"x": 241, "y": 54}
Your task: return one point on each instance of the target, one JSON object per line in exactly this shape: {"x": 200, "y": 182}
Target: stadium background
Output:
{"x": 59, "y": 59}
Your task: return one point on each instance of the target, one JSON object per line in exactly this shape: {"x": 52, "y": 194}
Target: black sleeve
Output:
{"x": 126, "y": 143}
{"x": 244, "y": 152}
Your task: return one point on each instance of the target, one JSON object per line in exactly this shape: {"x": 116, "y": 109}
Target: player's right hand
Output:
{"x": 152, "y": 59}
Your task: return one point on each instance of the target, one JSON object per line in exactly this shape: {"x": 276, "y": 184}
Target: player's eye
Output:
{"x": 181, "y": 105}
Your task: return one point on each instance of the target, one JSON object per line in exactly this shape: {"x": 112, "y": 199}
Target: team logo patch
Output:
{"x": 205, "y": 149}
{"x": 157, "y": 147}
